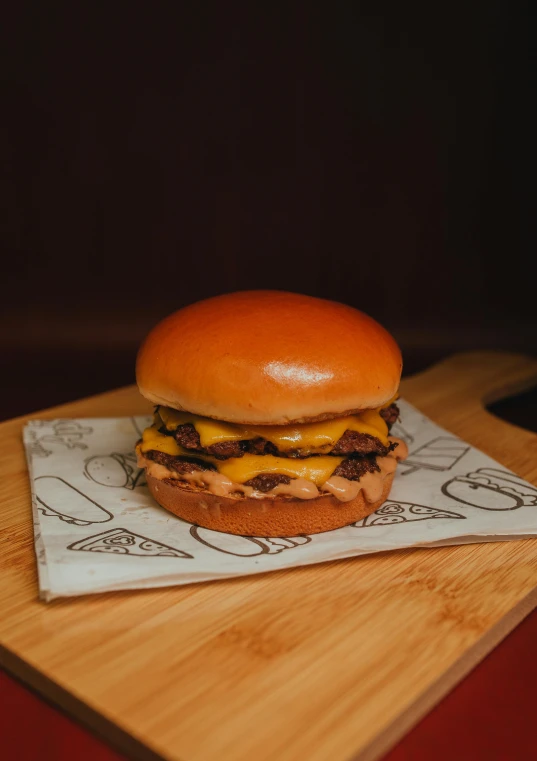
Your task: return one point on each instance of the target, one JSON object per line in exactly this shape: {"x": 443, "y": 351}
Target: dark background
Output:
{"x": 158, "y": 154}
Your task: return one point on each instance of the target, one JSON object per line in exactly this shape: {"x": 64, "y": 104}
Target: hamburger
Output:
{"x": 272, "y": 414}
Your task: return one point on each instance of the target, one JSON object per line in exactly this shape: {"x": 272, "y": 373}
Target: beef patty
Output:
{"x": 351, "y": 442}
{"x": 390, "y": 415}
{"x": 352, "y": 468}
{"x": 178, "y": 464}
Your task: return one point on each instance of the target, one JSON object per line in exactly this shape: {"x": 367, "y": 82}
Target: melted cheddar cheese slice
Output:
{"x": 240, "y": 469}
{"x": 210, "y": 431}
{"x": 311, "y": 437}
{"x": 153, "y": 439}
{"x": 317, "y": 469}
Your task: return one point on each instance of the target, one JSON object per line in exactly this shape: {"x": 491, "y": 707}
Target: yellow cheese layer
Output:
{"x": 312, "y": 437}
{"x": 153, "y": 439}
{"x": 317, "y": 469}
{"x": 210, "y": 431}
{"x": 240, "y": 469}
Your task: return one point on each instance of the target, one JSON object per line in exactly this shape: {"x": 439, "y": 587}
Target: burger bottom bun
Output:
{"x": 262, "y": 517}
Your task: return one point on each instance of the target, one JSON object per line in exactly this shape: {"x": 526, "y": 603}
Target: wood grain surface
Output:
{"x": 329, "y": 661}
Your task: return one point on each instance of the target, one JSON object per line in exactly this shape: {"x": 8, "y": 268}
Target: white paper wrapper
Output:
{"x": 98, "y": 529}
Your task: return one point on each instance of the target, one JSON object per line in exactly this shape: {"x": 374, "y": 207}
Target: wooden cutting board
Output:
{"x": 333, "y": 661}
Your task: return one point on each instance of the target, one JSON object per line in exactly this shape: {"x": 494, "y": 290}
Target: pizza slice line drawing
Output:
{"x": 122, "y": 541}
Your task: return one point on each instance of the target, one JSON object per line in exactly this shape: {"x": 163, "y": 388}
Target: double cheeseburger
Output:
{"x": 273, "y": 413}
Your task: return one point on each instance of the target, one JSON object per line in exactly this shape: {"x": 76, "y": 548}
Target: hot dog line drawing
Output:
{"x": 58, "y": 498}
{"x": 246, "y": 546}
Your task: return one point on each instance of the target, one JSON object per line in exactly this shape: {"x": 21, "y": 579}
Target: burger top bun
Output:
{"x": 269, "y": 357}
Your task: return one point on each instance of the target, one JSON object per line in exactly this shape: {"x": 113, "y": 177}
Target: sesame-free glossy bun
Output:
{"x": 269, "y": 357}
{"x": 262, "y": 517}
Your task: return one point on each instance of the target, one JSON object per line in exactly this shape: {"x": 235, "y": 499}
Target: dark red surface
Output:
{"x": 32, "y": 729}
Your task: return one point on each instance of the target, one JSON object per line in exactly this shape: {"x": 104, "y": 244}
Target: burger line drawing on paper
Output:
{"x": 273, "y": 414}
{"x": 116, "y": 469}
{"x": 491, "y": 489}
